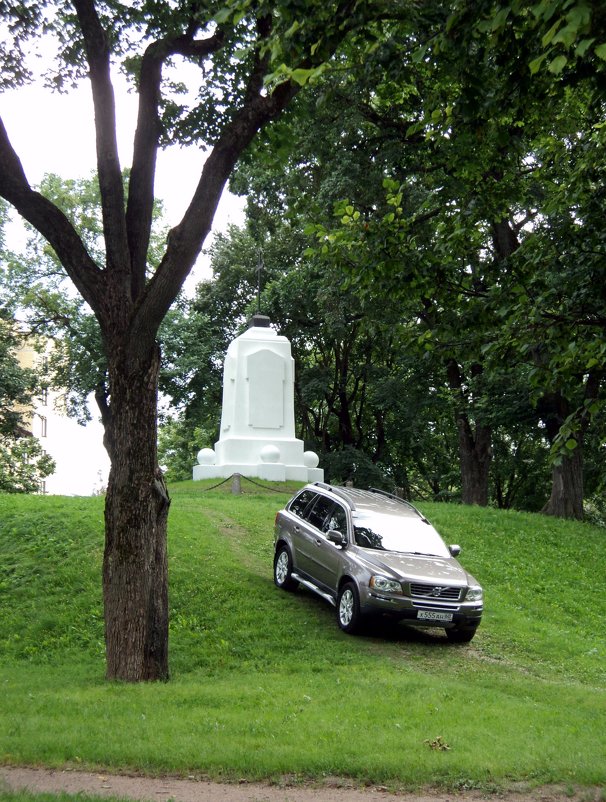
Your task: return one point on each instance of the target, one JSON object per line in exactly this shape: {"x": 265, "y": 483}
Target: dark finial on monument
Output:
{"x": 258, "y": 320}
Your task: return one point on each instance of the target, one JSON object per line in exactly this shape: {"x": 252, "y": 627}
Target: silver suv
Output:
{"x": 368, "y": 552}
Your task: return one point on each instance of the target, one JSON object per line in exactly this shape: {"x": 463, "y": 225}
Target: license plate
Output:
{"x": 431, "y": 615}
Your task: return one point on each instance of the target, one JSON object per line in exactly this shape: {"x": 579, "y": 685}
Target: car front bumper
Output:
{"x": 422, "y": 611}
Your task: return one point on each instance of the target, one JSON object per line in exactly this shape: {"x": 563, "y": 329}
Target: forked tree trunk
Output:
{"x": 135, "y": 569}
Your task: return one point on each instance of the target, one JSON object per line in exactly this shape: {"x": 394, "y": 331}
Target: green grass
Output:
{"x": 264, "y": 683}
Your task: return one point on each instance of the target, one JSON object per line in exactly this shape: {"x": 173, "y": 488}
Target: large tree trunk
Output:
{"x": 135, "y": 571}
{"x": 475, "y": 455}
{"x": 475, "y": 452}
{"x": 566, "y": 500}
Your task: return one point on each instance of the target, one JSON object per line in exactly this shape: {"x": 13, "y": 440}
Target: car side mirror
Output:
{"x": 338, "y": 538}
{"x": 454, "y": 550}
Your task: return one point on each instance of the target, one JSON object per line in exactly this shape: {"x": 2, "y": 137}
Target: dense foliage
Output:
{"x": 446, "y": 302}
{"x": 23, "y": 462}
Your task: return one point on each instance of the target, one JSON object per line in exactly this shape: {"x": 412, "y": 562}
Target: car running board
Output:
{"x": 315, "y": 588}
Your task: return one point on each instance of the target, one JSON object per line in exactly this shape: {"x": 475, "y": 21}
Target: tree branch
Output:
{"x": 49, "y": 221}
{"x": 186, "y": 239}
{"x": 141, "y": 185}
{"x": 108, "y": 163}
{"x": 258, "y": 108}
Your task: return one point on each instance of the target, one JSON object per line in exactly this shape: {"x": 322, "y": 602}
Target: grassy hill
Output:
{"x": 264, "y": 683}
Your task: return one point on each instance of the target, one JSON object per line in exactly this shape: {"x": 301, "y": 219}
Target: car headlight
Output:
{"x": 474, "y": 593}
{"x": 383, "y": 584}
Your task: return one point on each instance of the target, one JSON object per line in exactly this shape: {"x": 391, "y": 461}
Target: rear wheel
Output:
{"x": 348, "y": 609}
{"x": 283, "y": 570}
{"x": 461, "y": 634}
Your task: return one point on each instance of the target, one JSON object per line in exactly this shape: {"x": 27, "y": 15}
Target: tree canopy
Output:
{"x": 442, "y": 202}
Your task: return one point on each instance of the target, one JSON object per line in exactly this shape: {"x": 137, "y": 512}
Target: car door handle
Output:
{"x": 318, "y": 542}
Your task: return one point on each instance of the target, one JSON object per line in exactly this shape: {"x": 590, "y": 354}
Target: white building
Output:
{"x": 82, "y": 463}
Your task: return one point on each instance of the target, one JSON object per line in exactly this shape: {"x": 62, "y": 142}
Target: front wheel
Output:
{"x": 283, "y": 570}
{"x": 461, "y": 634}
{"x": 348, "y": 609}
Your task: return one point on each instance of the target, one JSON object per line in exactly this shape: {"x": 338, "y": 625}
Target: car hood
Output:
{"x": 416, "y": 567}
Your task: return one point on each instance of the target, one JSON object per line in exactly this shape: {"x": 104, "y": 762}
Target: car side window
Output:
{"x": 327, "y": 514}
{"x": 317, "y": 514}
{"x": 337, "y": 520}
{"x": 299, "y": 504}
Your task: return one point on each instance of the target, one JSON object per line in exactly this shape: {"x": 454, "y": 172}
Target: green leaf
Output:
{"x": 535, "y": 64}
{"x": 500, "y": 19}
{"x": 582, "y": 47}
{"x": 557, "y": 64}
{"x": 293, "y": 28}
{"x": 419, "y": 54}
{"x": 301, "y": 76}
{"x": 579, "y": 16}
{"x": 565, "y": 36}
{"x": 600, "y": 51}
{"x": 550, "y": 33}
{"x": 414, "y": 128}
{"x": 571, "y": 444}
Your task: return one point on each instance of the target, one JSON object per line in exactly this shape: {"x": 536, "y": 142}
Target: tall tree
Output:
{"x": 252, "y": 60}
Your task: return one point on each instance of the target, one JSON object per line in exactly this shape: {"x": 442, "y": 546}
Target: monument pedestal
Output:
{"x": 257, "y": 420}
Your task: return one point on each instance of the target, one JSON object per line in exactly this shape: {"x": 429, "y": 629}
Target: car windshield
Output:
{"x": 386, "y": 532}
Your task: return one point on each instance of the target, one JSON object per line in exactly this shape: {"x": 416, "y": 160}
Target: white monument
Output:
{"x": 257, "y": 436}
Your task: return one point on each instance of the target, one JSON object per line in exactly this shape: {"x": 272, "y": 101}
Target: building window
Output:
{"x": 43, "y": 426}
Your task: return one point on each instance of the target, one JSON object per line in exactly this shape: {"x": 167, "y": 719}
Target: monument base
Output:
{"x": 269, "y": 471}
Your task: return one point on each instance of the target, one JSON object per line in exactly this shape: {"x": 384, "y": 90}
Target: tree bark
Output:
{"x": 135, "y": 569}
{"x": 475, "y": 451}
{"x": 475, "y": 455}
{"x": 566, "y": 499}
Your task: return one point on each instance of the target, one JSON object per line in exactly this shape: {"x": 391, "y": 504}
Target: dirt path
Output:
{"x": 158, "y": 789}
{"x": 185, "y": 790}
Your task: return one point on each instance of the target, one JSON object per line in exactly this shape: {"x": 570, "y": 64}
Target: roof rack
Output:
{"x": 401, "y": 500}
{"x": 345, "y": 496}
{"x": 341, "y": 492}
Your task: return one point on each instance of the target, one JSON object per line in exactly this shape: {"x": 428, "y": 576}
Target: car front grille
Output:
{"x": 422, "y": 591}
